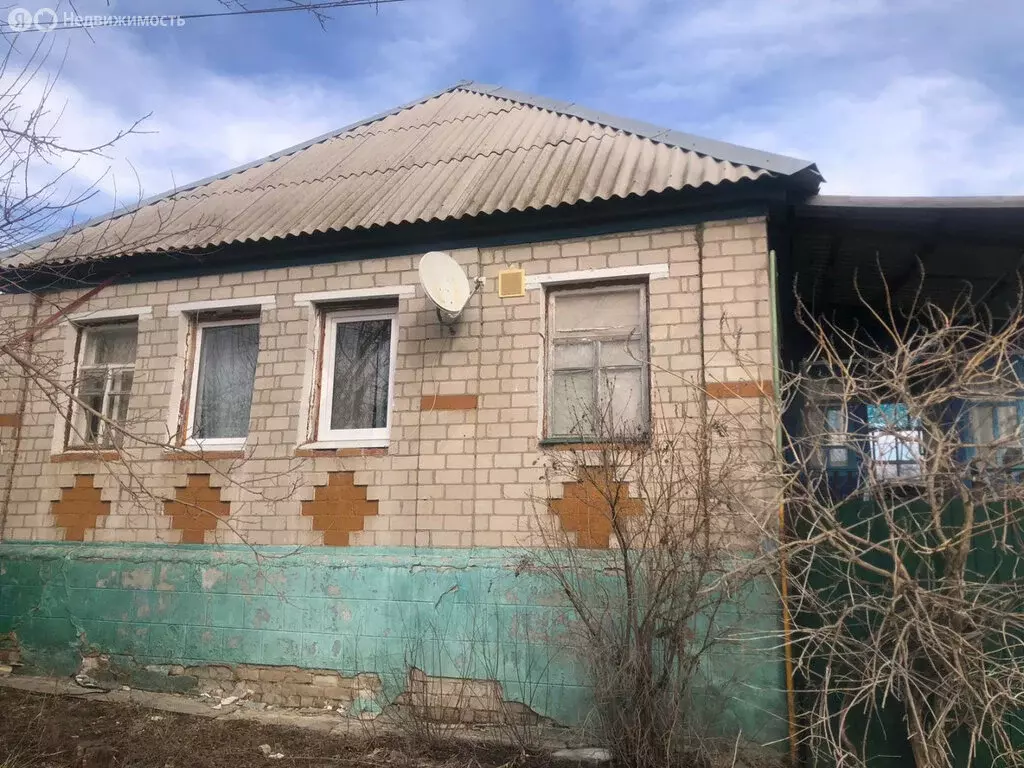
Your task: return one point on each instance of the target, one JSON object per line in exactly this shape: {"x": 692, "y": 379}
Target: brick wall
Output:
{"x": 459, "y": 471}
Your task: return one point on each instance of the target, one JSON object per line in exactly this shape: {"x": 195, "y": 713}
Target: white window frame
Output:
{"x": 205, "y": 443}
{"x": 356, "y": 438}
{"x": 76, "y": 435}
{"x": 551, "y": 295}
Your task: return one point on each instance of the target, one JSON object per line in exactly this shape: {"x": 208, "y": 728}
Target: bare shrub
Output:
{"x": 42, "y": 257}
{"x": 674, "y": 510}
{"x": 905, "y": 542}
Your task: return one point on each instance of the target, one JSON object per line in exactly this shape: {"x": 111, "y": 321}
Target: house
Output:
{"x": 300, "y": 473}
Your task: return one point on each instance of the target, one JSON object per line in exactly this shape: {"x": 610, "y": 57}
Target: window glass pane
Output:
{"x": 890, "y": 416}
{"x": 895, "y": 440}
{"x": 111, "y": 345}
{"x": 597, "y": 310}
{"x": 623, "y": 402}
{"x": 572, "y": 404}
{"x": 90, "y": 392}
{"x": 121, "y": 380}
{"x": 624, "y": 352}
{"x": 573, "y": 355}
{"x": 983, "y": 423}
{"x": 227, "y": 369}
{"x": 362, "y": 361}
{"x": 838, "y": 457}
{"x": 1006, "y": 415}
{"x": 835, "y": 424}
{"x": 900, "y": 449}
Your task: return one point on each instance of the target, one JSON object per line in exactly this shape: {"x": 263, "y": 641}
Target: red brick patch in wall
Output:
{"x": 584, "y": 509}
{"x": 196, "y": 509}
{"x": 79, "y": 508}
{"x": 722, "y": 390}
{"x": 339, "y": 508}
{"x": 448, "y": 403}
{"x": 10, "y": 419}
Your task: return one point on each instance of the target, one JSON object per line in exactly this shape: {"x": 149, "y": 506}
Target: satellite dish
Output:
{"x": 445, "y": 284}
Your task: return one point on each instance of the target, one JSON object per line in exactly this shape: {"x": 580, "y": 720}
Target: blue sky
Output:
{"x": 889, "y": 98}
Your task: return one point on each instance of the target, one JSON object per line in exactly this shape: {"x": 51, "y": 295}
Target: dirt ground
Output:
{"x": 50, "y": 731}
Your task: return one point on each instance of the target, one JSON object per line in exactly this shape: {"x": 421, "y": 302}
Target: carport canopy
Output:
{"x": 845, "y": 251}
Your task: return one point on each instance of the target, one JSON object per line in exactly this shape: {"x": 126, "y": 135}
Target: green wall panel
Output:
{"x": 460, "y": 613}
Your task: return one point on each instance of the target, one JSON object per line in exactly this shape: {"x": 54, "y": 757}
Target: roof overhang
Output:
{"x": 591, "y": 219}
{"x": 847, "y": 250}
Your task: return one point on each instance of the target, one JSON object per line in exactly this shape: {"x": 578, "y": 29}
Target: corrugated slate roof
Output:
{"x": 468, "y": 150}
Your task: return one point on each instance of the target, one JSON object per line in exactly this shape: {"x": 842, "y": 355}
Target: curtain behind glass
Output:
{"x": 114, "y": 345}
{"x": 362, "y": 358}
{"x": 227, "y": 368}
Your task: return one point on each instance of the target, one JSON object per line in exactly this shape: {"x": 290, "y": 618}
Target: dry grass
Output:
{"x": 42, "y": 731}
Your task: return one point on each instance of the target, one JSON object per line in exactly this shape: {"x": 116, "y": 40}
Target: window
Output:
{"x": 997, "y": 429}
{"x": 224, "y": 369}
{"x": 105, "y": 375}
{"x": 357, "y": 376}
{"x": 597, "y": 363}
{"x": 838, "y": 452}
{"x": 895, "y": 439}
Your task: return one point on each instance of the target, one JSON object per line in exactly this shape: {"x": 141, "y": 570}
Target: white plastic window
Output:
{"x": 357, "y": 377}
{"x": 223, "y": 373}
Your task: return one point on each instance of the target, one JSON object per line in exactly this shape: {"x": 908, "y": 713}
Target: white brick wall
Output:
{"x": 450, "y": 478}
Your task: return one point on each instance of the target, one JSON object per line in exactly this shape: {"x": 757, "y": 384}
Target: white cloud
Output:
{"x": 203, "y": 120}
{"x": 919, "y": 135}
{"x": 887, "y": 97}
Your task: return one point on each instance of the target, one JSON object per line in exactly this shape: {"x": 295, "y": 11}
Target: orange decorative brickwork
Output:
{"x": 79, "y": 508}
{"x": 196, "y": 509}
{"x": 10, "y": 419}
{"x": 721, "y": 390}
{"x": 584, "y": 509}
{"x": 448, "y": 403}
{"x": 339, "y": 508}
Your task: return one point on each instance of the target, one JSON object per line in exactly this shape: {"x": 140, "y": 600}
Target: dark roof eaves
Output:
{"x": 720, "y": 150}
{"x": 904, "y": 203}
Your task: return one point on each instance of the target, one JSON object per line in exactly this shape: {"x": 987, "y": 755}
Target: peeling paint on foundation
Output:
{"x": 470, "y": 624}
{"x": 10, "y": 650}
{"x": 462, "y": 700}
{"x": 139, "y": 578}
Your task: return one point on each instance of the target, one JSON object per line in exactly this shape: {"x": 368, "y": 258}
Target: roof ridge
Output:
{"x": 445, "y": 121}
{"x": 719, "y": 150}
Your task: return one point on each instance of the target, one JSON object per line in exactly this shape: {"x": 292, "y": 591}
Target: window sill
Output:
{"x": 577, "y": 444}
{"x": 84, "y": 454}
{"x": 313, "y": 453}
{"x": 367, "y": 447}
{"x": 369, "y": 442}
{"x": 213, "y": 445}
